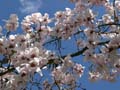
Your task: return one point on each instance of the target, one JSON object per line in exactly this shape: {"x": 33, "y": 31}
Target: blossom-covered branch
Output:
{"x": 97, "y": 39}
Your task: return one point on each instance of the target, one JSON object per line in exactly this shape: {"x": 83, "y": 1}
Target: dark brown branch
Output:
{"x": 77, "y": 53}
{"x": 53, "y": 40}
{"x": 83, "y": 50}
{"x": 108, "y": 24}
{"x": 7, "y": 71}
{"x": 116, "y": 20}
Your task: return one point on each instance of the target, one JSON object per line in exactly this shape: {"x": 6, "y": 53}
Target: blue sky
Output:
{"x": 25, "y": 7}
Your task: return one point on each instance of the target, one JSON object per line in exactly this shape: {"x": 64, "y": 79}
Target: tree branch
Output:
{"x": 7, "y": 71}
{"x": 83, "y": 50}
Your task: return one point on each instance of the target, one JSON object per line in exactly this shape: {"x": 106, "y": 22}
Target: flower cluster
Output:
{"x": 35, "y": 21}
{"x": 68, "y": 72}
{"x": 12, "y": 23}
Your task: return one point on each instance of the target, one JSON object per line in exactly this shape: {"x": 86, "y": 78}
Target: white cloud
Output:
{"x": 30, "y": 6}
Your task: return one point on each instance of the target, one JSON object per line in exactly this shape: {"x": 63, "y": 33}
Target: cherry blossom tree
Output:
{"x": 96, "y": 38}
